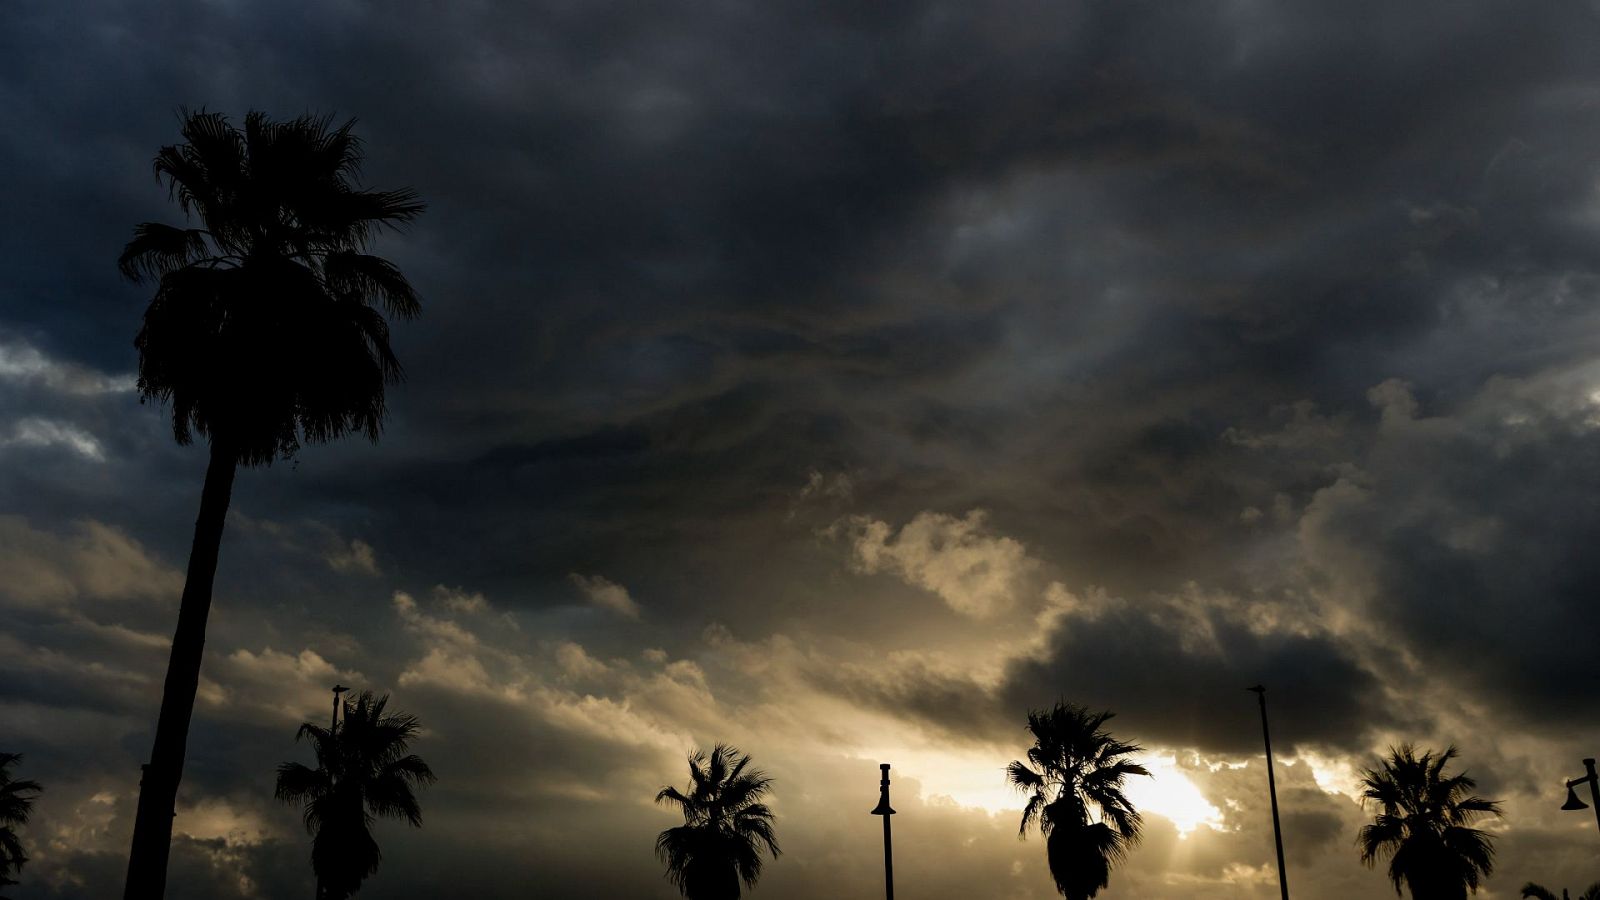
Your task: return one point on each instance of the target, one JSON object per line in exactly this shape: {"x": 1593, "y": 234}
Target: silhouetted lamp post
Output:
{"x": 885, "y": 810}
{"x": 337, "y": 690}
{"x": 1594, "y": 791}
{"x": 1272, "y": 789}
{"x": 333, "y": 725}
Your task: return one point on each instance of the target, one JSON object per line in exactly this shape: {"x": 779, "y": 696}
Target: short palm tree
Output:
{"x": 1074, "y": 778}
{"x": 1540, "y": 892}
{"x": 262, "y": 334}
{"x": 725, "y": 826}
{"x": 1424, "y": 825}
{"x": 363, "y": 773}
{"x": 16, "y": 803}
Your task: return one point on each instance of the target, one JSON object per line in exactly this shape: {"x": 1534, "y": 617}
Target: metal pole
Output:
{"x": 885, "y": 810}
{"x": 888, "y": 861}
{"x": 1594, "y": 788}
{"x": 337, "y": 690}
{"x": 333, "y": 725}
{"x": 1272, "y": 789}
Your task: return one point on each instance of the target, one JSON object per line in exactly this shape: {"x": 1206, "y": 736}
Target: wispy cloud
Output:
{"x": 22, "y": 362}
{"x": 606, "y": 594}
{"x": 37, "y": 432}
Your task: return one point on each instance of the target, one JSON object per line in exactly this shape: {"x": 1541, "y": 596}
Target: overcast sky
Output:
{"x": 838, "y": 380}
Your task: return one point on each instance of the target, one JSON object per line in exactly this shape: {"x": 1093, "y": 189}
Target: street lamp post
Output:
{"x": 333, "y": 725}
{"x": 337, "y": 690}
{"x": 885, "y": 810}
{"x": 1272, "y": 790}
{"x": 1594, "y": 791}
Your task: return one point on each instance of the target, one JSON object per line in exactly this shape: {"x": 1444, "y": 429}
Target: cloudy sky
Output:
{"x": 839, "y": 380}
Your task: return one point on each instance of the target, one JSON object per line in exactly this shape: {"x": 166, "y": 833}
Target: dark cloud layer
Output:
{"x": 1178, "y": 694}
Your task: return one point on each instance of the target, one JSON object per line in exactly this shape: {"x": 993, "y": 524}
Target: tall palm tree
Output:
{"x": 363, "y": 773}
{"x": 262, "y": 334}
{"x": 16, "y": 803}
{"x": 1074, "y": 777}
{"x": 1424, "y": 825}
{"x": 1540, "y": 892}
{"x": 725, "y": 826}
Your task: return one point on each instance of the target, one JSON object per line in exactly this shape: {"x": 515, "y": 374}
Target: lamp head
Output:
{"x": 1257, "y": 689}
{"x": 883, "y": 808}
{"x": 1572, "y": 800}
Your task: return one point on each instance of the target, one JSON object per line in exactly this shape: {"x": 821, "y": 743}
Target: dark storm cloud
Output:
{"x": 1146, "y": 666}
{"x": 633, "y": 210}
{"x": 1481, "y": 554}
{"x": 1173, "y": 669}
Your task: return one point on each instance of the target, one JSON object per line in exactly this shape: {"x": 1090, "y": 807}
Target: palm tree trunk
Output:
{"x": 158, "y": 789}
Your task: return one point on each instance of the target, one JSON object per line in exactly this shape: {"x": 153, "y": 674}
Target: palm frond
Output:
{"x": 12, "y": 854}
{"x": 158, "y": 249}
{"x": 1031, "y": 814}
{"x": 759, "y": 831}
{"x": 17, "y": 796}
{"x": 1023, "y": 778}
{"x": 390, "y": 797}
{"x": 268, "y": 324}
{"x": 673, "y": 795}
{"x": 361, "y": 275}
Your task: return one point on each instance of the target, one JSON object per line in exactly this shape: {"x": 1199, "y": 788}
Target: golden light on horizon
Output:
{"x": 975, "y": 781}
{"x": 1170, "y": 794}
{"x": 970, "y": 780}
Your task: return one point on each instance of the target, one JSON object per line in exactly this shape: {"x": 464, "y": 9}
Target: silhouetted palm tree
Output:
{"x": 725, "y": 826}
{"x": 1423, "y": 824}
{"x": 16, "y": 803}
{"x": 363, "y": 772}
{"x": 261, "y": 334}
{"x": 1540, "y": 892}
{"x": 1074, "y": 775}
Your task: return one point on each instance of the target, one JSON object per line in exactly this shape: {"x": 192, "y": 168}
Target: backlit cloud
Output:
{"x": 975, "y": 573}
{"x": 606, "y": 594}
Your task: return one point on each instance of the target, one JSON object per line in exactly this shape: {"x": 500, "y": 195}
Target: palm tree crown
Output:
{"x": 725, "y": 826}
{"x": 363, "y": 772}
{"x": 1074, "y": 777}
{"x": 261, "y": 331}
{"x": 1423, "y": 824}
{"x": 16, "y": 803}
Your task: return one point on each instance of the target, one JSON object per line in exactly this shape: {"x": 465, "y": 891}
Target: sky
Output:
{"x": 840, "y": 381}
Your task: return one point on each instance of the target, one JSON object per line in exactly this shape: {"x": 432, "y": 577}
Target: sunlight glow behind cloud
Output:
{"x": 1170, "y": 793}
